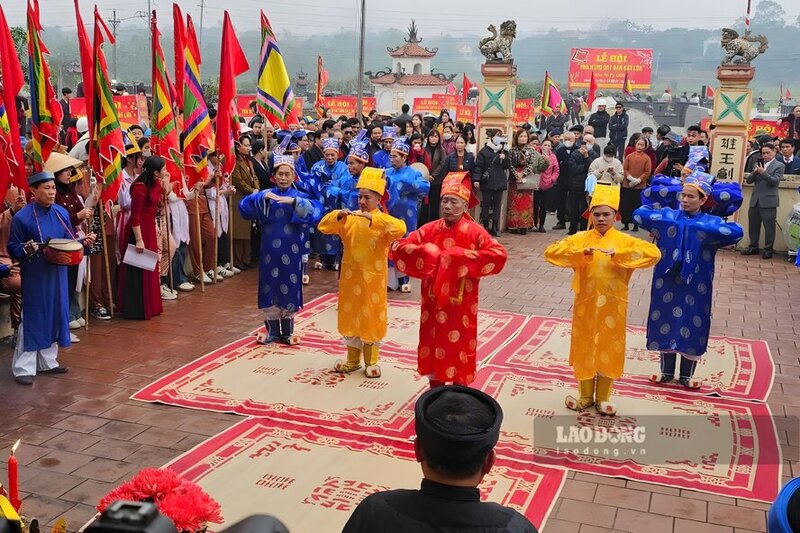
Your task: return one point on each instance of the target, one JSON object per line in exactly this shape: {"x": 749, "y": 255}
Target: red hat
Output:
{"x": 460, "y": 184}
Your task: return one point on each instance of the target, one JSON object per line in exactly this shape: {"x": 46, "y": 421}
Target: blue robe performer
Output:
{"x": 680, "y": 300}
{"x": 344, "y": 187}
{"x": 285, "y": 215}
{"x": 45, "y": 306}
{"x": 382, "y": 158}
{"x": 406, "y": 188}
{"x": 325, "y": 172}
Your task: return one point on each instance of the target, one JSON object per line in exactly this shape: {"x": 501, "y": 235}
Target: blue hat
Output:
{"x": 696, "y": 154}
{"x": 39, "y": 177}
{"x": 401, "y": 145}
{"x": 330, "y": 143}
{"x": 700, "y": 181}
{"x": 292, "y": 137}
{"x": 389, "y": 132}
{"x": 359, "y": 152}
{"x": 282, "y": 159}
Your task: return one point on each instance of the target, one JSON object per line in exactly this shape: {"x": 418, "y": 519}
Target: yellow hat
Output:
{"x": 604, "y": 195}
{"x": 372, "y": 179}
{"x": 58, "y": 162}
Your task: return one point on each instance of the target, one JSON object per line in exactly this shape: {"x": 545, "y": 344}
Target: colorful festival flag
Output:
{"x": 106, "y": 144}
{"x": 275, "y": 97}
{"x": 164, "y": 132}
{"x": 179, "y": 41}
{"x": 627, "y": 88}
{"x": 196, "y": 122}
{"x": 12, "y": 168}
{"x": 232, "y": 63}
{"x": 322, "y": 81}
{"x": 87, "y": 61}
{"x": 551, "y": 97}
{"x": 46, "y": 113}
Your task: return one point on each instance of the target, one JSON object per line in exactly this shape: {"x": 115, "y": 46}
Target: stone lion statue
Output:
{"x": 746, "y": 46}
{"x": 498, "y": 47}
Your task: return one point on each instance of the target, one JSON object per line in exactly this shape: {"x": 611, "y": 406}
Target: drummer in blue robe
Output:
{"x": 680, "y": 299}
{"x": 382, "y": 158}
{"x": 45, "y": 306}
{"x": 325, "y": 172}
{"x": 285, "y": 215}
{"x": 406, "y": 188}
{"x": 344, "y": 187}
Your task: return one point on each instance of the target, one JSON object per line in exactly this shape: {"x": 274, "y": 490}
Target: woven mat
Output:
{"x": 312, "y": 478}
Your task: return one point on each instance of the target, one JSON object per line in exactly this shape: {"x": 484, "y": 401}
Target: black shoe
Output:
{"x": 523, "y": 231}
{"x": 635, "y": 228}
{"x": 541, "y": 229}
{"x": 625, "y": 227}
{"x": 559, "y": 226}
{"x": 750, "y": 251}
{"x": 767, "y": 254}
{"x": 60, "y": 369}
{"x": 24, "y": 380}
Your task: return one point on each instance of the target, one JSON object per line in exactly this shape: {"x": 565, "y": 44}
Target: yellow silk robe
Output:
{"x": 362, "y": 280}
{"x": 601, "y": 296}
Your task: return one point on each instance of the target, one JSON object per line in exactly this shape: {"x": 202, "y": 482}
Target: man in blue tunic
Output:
{"x": 285, "y": 215}
{"x": 325, "y": 172}
{"x": 45, "y": 305}
{"x": 680, "y": 300}
{"x": 406, "y": 188}
{"x": 382, "y": 158}
{"x": 344, "y": 187}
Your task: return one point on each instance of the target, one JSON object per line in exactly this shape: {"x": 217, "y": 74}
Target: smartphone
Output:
{"x": 760, "y": 161}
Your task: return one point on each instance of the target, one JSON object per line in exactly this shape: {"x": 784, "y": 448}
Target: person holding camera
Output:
{"x": 764, "y": 201}
{"x": 490, "y": 176}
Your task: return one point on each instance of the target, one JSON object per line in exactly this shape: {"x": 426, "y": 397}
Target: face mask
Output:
{"x": 497, "y": 140}
{"x": 589, "y": 146}
{"x": 607, "y": 158}
{"x": 147, "y": 153}
{"x": 448, "y": 136}
{"x": 569, "y": 144}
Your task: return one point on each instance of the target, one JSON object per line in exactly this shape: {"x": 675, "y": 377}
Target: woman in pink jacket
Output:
{"x": 542, "y": 196}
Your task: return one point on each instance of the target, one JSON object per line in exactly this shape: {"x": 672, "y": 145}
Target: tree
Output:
{"x": 528, "y": 89}
{"x": 769, "y": 14}
{"x": 20, "y": 37}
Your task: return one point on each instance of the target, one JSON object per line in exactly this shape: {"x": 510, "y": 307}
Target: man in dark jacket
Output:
{"x": 578, "y": 166}
{"x": 599, "y": 121}
{"x": 557, "y": 120}
{"x": 560, "y": 195}
{"x": 618, "y": 129}
{"x": 490, "y": 176}
{"x": 313, "y": 154}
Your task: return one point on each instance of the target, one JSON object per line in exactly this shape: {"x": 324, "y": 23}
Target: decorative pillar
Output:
{"x": 496, "y": 108}
{"x": 730, "y": 119}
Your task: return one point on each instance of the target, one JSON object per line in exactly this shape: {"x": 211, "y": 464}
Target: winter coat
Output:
{"x": 599, "y": 120}
{"x": 550, "y": 175}
{"x": 488, "y": 162}
{"x": 452, "y": 163}
{"x": 578, "y": 167}
{"x": 618, "y": 127}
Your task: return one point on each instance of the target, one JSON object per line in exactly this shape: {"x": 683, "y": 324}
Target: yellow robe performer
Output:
{"x": 603, "y": 260}
{"x": 366, "y": 236}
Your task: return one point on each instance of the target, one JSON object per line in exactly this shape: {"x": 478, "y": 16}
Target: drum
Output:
{"x": 422, "y": 169}
{"x": 65, "y": 252}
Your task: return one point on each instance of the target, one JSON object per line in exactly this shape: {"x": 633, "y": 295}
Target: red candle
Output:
{"x": 13, "y": 479}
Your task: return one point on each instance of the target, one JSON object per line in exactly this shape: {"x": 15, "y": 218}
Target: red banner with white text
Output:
{"x": 610, "y": 66}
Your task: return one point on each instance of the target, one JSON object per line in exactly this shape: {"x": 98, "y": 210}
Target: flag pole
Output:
{"x": 106, "y": 260}
{"x": 360, "y": 84}
{"x": 216, "y": 225}
{"x": 169, "y": 234}
{"x": 199, "y": 240}
{"x": 230, "y": 229}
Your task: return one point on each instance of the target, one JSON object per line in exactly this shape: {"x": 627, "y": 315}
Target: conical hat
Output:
{"x": 58, "y": 162}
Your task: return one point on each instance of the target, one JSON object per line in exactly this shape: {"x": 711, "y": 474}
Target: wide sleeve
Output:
{"x": 17, "y": 237}
{"x": 330, "y": 223}
{"x": 306, "y": 211}
{"x": 567, "y": 253}
{"x": 720, "y": 233}
{"x": 630, "y": 252}
{"x": 393, "y": 228}
{"x": 415, "y": 187}
{"x": 138, "y": 195}
{"x": 252, "y": 205}
{"x": 492, "y": 257}
{"x": 415, "y": 254}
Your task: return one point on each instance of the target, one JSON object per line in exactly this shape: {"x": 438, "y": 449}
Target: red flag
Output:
{"x": 466, "y": 85}
{"x": 592, "y": 91}
{"x": 322, "y": 80}
{"x": 232, "y": 63}
{"x": 627, "y": 87}
{"x": 788, "y": 94}
{"x": 11, "y": 162}
{"x": 87, "y": 61}
{"x": 179, "y": 35}
{"x": 709, "y": 91}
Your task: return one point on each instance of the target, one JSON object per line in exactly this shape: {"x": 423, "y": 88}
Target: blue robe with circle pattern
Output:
{"x": 284, "y": 230}
{"x": 680, "y": 297}
{"x": 325, "y": 175}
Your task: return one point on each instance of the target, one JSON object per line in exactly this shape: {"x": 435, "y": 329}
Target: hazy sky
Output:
{"x": 449, "y": 16}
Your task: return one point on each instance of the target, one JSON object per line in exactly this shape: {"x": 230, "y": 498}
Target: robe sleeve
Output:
{"x": 393, "y": 227}
{"x": 251, "y": 205}
{"x": 491, "y": 258}
{"x": 138, "y": 195}
{"x": 330, "y": 224}
{"x": 567, "y": 253}
{"x": 635, "y": 253}
{"x": 17, "y": 237}
{"x": 720, "y": 234}
{"x": 306, "y": 211}
{"x": 415, "y": 255}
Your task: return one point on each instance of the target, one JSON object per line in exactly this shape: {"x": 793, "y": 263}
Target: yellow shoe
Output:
{"x": 352, "y": 363}
{"x": 372, "y": 369}
{"x": 603, "y": 396}
{"x": 586, "y": 390}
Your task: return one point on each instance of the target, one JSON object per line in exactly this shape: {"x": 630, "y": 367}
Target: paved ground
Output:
{"x": 82, "y": 435}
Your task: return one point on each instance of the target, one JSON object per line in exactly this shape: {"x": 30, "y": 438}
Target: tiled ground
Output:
{"x": 82, "y": 436}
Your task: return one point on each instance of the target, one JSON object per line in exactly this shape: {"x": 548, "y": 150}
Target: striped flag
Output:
{"x": 232, "y": 63}
{"x": 179, "y": 41}
{"x": 551, "y": 96}
{"x": 87, "y": 62}
{"x": 322, "y": 80}
{"x": 627, "y": 87}
{"x": 46, "y": 113}
{"x": 12, "y": 168}
{"x": 164, "y": 133}
{"x": 196, "y": 122}
{"x": 275, "y": 97}
{"x": 106, "y": 144}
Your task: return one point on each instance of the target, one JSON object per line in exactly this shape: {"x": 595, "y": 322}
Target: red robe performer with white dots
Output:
{"x": 450, "y": 255}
